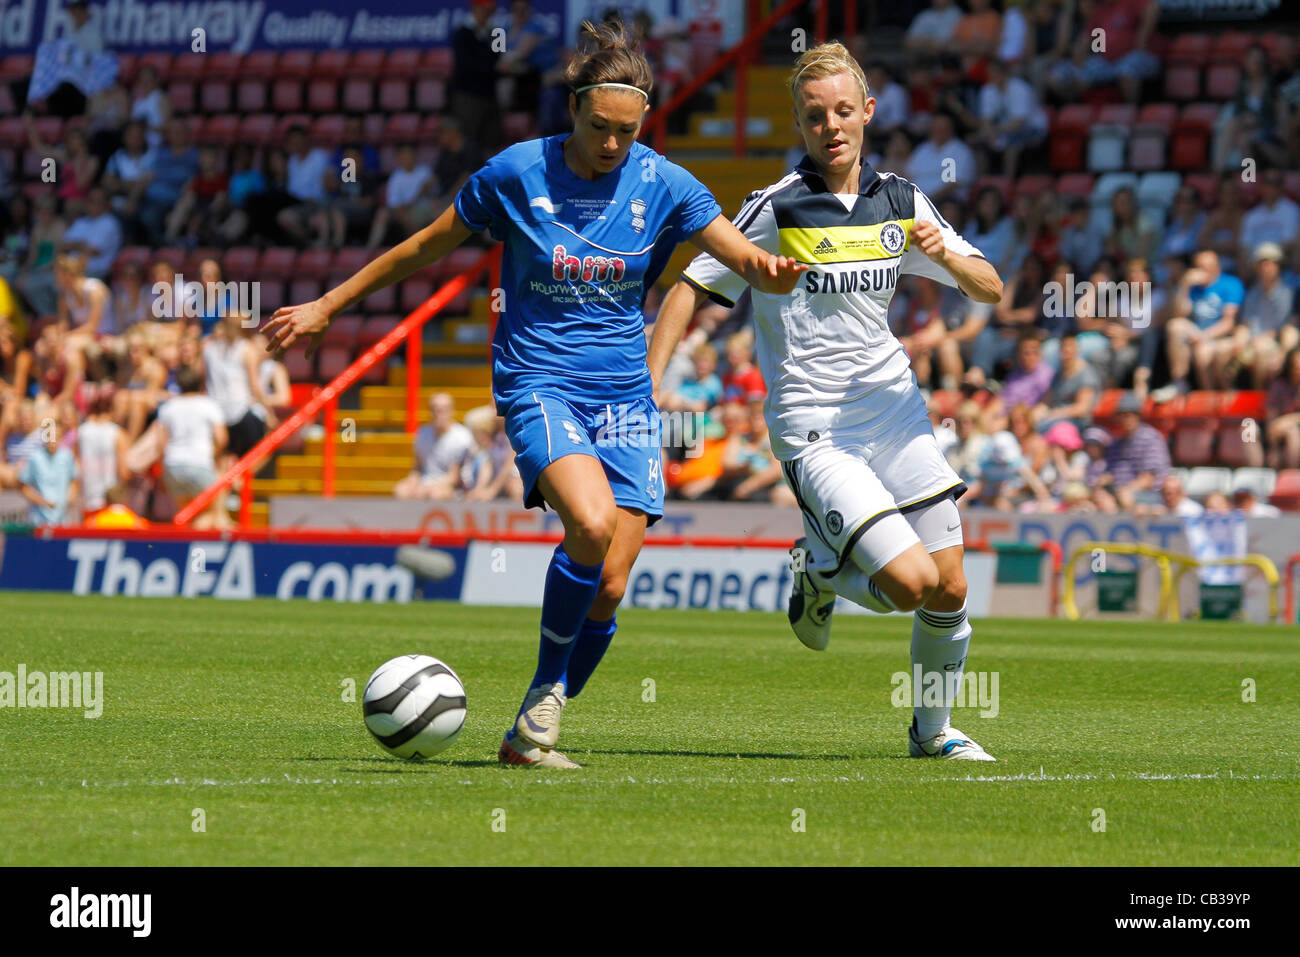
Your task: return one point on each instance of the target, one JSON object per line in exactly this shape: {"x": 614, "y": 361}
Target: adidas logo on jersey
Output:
{"x": 825, "y": 246}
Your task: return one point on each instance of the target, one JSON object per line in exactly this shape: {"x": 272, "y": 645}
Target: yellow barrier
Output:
{"x": 1167, "y": 605}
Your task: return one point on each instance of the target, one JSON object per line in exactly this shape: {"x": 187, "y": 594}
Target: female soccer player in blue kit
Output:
{"x": 589, "y": 220}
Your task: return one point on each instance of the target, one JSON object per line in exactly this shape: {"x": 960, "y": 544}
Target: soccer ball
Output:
{"x": 414, "y": 705}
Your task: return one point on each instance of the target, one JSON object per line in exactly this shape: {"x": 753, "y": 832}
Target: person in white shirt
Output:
{"x": 932, "y": 30}
{"x": 893, "y": 103}
{"x": 234, "y": 382}
{"x": 844, "y": 413}
{"x": 1274, "y": 219}
{"x": 943, "y": 167}
{"x": 305, "y": 182}
{"x": 128, "y": 170}
{"x": 102, "y": 448}
{"x": 441, "y": 448}
{"x": 151, "y": 107}
{"x": 97, "y": 235}
{"x": 408, "y": 198}
{"x": 192, "y": 433}
{"x": 1010, "y": 116}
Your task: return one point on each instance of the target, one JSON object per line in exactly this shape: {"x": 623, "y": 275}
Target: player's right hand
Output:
{"x": 291, "y": 323}
{"x": 780, "y": 274}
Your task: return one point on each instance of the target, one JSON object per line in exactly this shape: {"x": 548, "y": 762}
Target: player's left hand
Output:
{"x": 927, "y": 238}
{"x": 780, "y": 274}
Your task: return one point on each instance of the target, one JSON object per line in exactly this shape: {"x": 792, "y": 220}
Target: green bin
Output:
{"x": 1117, "y": 591}
{"x": 1220, "y": 602}
{"x": 1018, "y": 563}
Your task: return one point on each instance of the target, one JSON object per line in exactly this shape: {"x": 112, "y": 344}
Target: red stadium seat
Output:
{"x": 1233, "y": 450}
{"x": 313, "y": 263}
{"x": 1146, "y": 151}
{"x": 331, "y": 64}
{"x": 271, "y": 295}
{"x": 1076, "y": 184}
{"x": 1222, "y": 80}
{"x": 1193, "y": 48}
{"x": 135, "y": 256}
{"x": 160, "y": 62}
{"x": 323, "y": 95}
{"x": 1107, "y": 403}
{"x": 1182, "y": 81}
{"x": 343, "y": 331}
{"x": 16, "y": 67}
{"x": 394, "y": 96}
{"x": 250, "y": 96}
{"x": 171, "y": 254}
{"x": 332, "y": 361}
{"x": 257, "y": 129}
{"x": 7, "y": 106}
{"x": 414, "y": 291}
{"x": 1193, "y": 443}
{"x": 196, "y": 256}
{"x": 327, "y": 131}
{"x": 1291, "y": 183}
{"x": 1068, "y": 135}
{"x": 372, "y": 127}
{"x": 430, "y": 94}
{"x": 1280, "y": 47}
{"x": 278, "y": 262}
{"x": 455, "y": 263}
{"x": 240, "y": 263}
{"x": 181, "y": 96}
{"x": 1189, "y": 146}
{"x": 284, "y": 124}
{"x": 349, "y": 260}
{"x": 12, "y": 133}
{"x": 383, "y": 301}
{"x": 437, "y": 61}
{"x": 49, "y": 129}
{"x": 222, "y": 130}
{"x": 1202, "y": 405}
{"x": 258, "y": 65}
{"x": 1206, "y": 186}
{"x": 299, "y": 367}
{"x": 402, "y": 127}
{"x": 519, "y": 126}
{"x": 189, "y": 66}
{"x": 1246, "y": 404}
{"x": 358, "y": 95}
{"x": 367, "y": 63}
{"x": 1231, "y": 45}
{"x": 223, "y": 66}
{"x": 403, "y": 63}
{"x": 286, "y": 95}
{"x": 305, "y": 289}
{"x": 429, "y": 127}
{"x": 294, "y": 64}
{"x": 377, "y": 374}
{"x": 1286, "y": 494}
{"x": 214, "y": 97}
{"x": 1000, "y": 183}
{"x": 375, "y": 328}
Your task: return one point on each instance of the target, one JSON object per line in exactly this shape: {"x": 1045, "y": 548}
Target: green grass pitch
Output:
{"x": 237, "y": 709}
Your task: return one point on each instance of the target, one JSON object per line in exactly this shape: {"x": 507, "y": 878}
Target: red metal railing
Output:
{"x": 740, "y": 55}
{"x": 327, "y": 398}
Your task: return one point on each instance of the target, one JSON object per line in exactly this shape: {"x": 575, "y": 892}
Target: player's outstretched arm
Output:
{"x": 675, "y": 312}
{"x": 762, "y": 270}
{"x": 291, "y": 323}
{"x": 975, "y": 276}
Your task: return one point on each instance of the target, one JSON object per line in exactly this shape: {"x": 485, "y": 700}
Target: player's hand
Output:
{"x": 779, "y": 275}
{"x": 291, "y": 323}
{"x": 927, "y": 238}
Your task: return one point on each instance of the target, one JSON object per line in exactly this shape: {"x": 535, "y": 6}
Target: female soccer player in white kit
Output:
{"x": 844, "y": 411}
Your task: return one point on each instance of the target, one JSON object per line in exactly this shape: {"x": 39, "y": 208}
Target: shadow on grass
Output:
{"x": 397, "y": 765}
{"x": 725, "y": 754}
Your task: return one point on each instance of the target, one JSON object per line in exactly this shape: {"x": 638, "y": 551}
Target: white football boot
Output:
{"x": 948, "y": 743}
{"x": 811, "y": 602}
{"x": 514, "y": 750}
{"x": 539, "y": 716}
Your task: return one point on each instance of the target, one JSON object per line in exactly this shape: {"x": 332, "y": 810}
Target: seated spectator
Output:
{"x": 1132, "y": 234}
{"x": 700, "y": 391}
{"x": 151, "y": 106}
{"x": 1011, "y": 118}
{"x": 102, "y": 448}
{"x": 440, "y": 451}
{"x": 1262, "y": 336}
{"x": 943, "y": 166}
{"x": 1244, "y": 501}
{"x": 1136, "y": 462}
{"x": 457, "y": 159}
{"x": 76, "y": 167}
{"x": 71, "y": 67}
{"x": 351, "y": 199}
{"x": 1074, "y": 390}
{"x": 751, "y": 473}
{"x": 1033, "y": 446}
{"x": 192, "y": 434}
{"x": 895, "y": 159}
{"x": 1127, "y": 26}
{"x": 1068, "y": 462}
{"x": 742, "y": 381}
{"x": 354, "y": 137}
{"x": 1222, "y": 230}
{"x": 933, "y": 313}
{"x": 230, "y": 363}
{"x": 976, "y": 38}
{"x": 85, "y": 309}
{"x": 1018, "y": 312}
{"x": 490, "y": 471}
{"x": 1283, "y": 402}
{"x": 992, "y": 233}
{"x": 893, "y": 104}
{"x": 532, "y": 51}
{"x": 1174, "y": 501}
{"x": 128, "y": 172}
{"x": 96, "y": 236}
{"x": 407, "y": 200}
{"x": 1274, "y": 219}
{"x": 132, "y": 302}
{"x": 964, "y": 453}
{"x": 1206, "y": 304}
{"x": 1135, "y": 335}
{"x": 173, "y": 167}
{"x": 1251, "y": 122}
{"x": 15, "y": 372}
{"x": 1186, "y": 219}
{"x": 306, "y": 171}
{"x": 1082, "y": 243}
{"x": 247, "y": 186}
{"x": 932, "y": 30}
{"x": 194, "y": 213}
{"x": 48, "y": 478}
{"x": 1001, "y": 479}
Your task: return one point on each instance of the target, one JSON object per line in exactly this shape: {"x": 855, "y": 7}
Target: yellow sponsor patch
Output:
{"x": 846, "y": 244}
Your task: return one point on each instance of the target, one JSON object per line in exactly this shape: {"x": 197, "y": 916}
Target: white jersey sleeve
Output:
{"x": 917, "y": 263}
{"x": 757, "y": 221}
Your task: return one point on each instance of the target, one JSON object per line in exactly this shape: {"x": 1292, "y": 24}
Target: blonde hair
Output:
{"x": 823, "y": 60}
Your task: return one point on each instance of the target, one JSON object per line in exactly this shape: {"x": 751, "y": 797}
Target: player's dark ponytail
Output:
{"x": 606, "y": 55}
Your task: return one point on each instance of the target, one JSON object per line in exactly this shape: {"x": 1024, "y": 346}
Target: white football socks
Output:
{"x": 939, "y": 643}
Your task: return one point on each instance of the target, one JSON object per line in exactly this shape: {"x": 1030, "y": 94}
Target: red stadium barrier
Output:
{"x": 1052, "y": 550}
{"x": 327, "y": 397}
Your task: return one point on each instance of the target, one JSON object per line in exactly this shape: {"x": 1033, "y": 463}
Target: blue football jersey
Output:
{"x": 579, "y": 257}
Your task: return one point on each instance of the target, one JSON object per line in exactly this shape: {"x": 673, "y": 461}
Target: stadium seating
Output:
{"x": 1260, "y": 481}
{"x": 1193, "y": 442}
{"x": 1202, "y": 481}
{"x": 1286, "y": 494}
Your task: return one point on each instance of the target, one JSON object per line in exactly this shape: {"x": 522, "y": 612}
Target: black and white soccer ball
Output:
{"x": 414, "y": 705}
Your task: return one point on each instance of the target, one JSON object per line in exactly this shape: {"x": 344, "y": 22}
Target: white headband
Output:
{"x": 622, "y": 86}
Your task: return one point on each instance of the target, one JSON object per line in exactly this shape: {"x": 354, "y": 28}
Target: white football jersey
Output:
{"x": 825, "y": 350}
